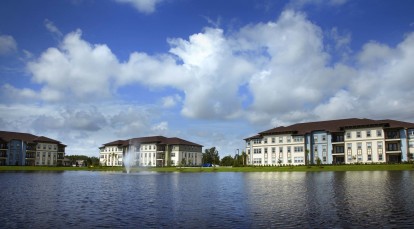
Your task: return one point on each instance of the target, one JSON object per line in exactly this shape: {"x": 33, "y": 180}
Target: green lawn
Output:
{"x": 377, "y": 167}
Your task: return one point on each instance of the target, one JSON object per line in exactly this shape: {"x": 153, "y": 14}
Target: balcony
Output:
{"x": 30, "y": 155}
{"x": 393, "y": 148}
{"x": 338, "y": 149}
{"x": 392, "y": 135}
{"x": 337, "y": 139}
{"x": 334, "y": 152}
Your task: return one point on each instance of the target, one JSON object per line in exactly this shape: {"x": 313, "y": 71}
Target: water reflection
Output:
{"x": 215, "y": 200}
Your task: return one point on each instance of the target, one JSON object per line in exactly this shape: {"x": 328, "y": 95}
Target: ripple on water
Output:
{"x": 215, "y": 200}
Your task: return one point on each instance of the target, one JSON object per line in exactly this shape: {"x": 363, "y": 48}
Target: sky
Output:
{"x": 87, "y": 72}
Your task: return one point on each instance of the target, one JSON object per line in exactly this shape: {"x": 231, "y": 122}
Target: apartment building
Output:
{"x": 151, "y": 151}
{"x": 28, "y": 149}
{"x": 332, "y": 142}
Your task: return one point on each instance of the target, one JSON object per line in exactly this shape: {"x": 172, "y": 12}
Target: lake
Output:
{"x": 82, "y": 199}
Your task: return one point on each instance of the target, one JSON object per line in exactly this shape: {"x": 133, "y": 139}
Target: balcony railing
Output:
{"x": 337, "y": 139}
{"x": 337, "y": 152}
{"x": 392, "y": 135}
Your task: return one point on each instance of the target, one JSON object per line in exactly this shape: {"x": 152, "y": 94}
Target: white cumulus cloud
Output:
{"x": 76, "y": 69}
{"x": 143, "y": 6}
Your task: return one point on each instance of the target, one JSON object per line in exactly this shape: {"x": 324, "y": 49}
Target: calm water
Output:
{"x": 77, "y": 199}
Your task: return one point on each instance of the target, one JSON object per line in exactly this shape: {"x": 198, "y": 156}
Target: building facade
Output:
{"x": 27, "y": 149}
{"x": 151, "y": 151}
{"x": 333, "y": 142}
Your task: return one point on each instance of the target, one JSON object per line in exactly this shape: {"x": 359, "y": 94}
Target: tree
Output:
{"x": 240, "y": 160}
{"x": 244, "y": 158}
{"x": 227, "y": 161}
{"x": 318, "y": 162}
{"x": 211, "y": 156}
{"x": 88, "y": 161}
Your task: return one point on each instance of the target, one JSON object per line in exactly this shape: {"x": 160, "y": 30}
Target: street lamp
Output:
{"x": 237, "y": 158}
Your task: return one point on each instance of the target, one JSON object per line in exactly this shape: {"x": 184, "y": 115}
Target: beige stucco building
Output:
{"x": 151, "y": 151}
{"x": 28, "y": 149}
{"x": 332, "y": 142}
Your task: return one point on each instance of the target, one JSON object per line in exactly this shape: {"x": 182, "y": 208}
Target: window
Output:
{"x": 265, "y": 150}
{"x": 257, "y": 141}
{"x": 339, "y": 138}
{"x": 265, "y": 140}
{"x": 273, "y": 149}
{"x": 280, "y": 149}
{"x": 339, "y": 149}
{"x": 393, "y": 134}
{"x": 349, "y": 148}
{"x": 257, "y": 161}
{"x": 298, "y": 159}
{"x": 273, "y": 140}
{"x": 369, "y": 151}
{"x": 298, "y": 149}
{"x": 410, "y": 133}
{"x": 298, "y": 139}
{"x": 280, "y": 139}
{"x": 315, "y": 138}
{"x": 324, "y": 137}
{"x": 392, "y": 147}
{"x": 379, "y": 133}
{"x": 359, "y": 151}
{"x": 288, "y": 149}
{"x": 358, "y": 134}
{"x": 368, "y": 133}
{"x": 288, "y": 139}
{"x": 379, "y": 145}
{"x": 348, "y": 135}
{"x": 257, "y": 151}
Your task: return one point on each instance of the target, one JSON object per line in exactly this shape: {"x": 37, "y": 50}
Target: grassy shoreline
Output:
{"x": 314, "y": 168}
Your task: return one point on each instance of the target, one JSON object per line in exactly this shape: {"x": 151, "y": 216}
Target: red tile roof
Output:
{"x": 152, "y": 139}
{"x": 29, "y": 138}
{"x": 333, "y": 126}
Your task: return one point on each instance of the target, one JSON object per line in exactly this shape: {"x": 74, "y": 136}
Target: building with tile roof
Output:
{"x": 151, "y": 151}
{"x": 28, "y": 149}
{"x": 334, "y": 141}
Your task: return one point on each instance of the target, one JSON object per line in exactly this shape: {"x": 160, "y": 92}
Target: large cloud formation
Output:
{"x": 283, "y": 66}
{"x": 271, "y": 73}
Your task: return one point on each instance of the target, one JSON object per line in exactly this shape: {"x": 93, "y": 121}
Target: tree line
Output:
{"x": 211, "y": 156}
{"x": 88, "y": 161}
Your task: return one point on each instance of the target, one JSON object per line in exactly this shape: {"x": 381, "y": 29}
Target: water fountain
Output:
{"x": 130, "y": 157}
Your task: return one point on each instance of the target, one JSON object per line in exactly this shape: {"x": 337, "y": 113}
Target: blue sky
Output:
{"x": 87, "y": 72}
